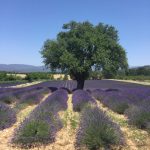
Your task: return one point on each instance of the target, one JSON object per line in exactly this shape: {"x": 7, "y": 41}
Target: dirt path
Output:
{"x": 26, "y": 84}
{"x": 136, "y": 139}
{"x": 132, "y": 81}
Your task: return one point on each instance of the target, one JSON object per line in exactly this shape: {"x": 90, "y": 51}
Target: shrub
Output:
{"x": 113, "y": 99}
{"x": 65, "y": 77}
{"x": 35, "y": 131}
{"x": 116, "y": 102}
{"x": 7, "y": 116}
{"x": 96, "y": 130}
{"x": 96, "y": 75}
{"x": 139, "y": 116}
{"x": 33, "y": 97}
{"x": 99, "y": 94}
{"x": 81, "y": 98}
{"x": 7, "y": 98}
{"x": 64, "y": 88}
{"x": 38, "y": 75}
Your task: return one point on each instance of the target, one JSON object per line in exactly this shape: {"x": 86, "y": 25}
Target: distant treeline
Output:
{"x": 4, "y": 76}
{"x": 145, "y": 71}
{"x": 7, "y": 76}
{"x": 138, "y": 73}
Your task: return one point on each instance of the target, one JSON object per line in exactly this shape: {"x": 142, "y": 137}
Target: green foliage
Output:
{"x": 9, "y": 77}
{"x": 96, "y": 75}
{"x": 96, "y": 130}
{"x": 138, "y": 78}
{"x": 3, "y": 76}
{"x": 98, "y": 136}
{"x": 139, "y": 116}
{"x": 120, "y": 107}
{"x": 82, "y": 45}
{"x": 9, "y": 99}
{"x": 34, "y": 131}
{"x": 139, "y": 71}
{"x": 65, "y": 77}
{"x": 38, "y": 75}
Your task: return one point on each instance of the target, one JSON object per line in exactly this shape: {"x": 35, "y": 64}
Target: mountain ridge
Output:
{"x": 22, "y": 68}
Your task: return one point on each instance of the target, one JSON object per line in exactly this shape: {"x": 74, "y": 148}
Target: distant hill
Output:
{"x": 21, "y": 68}
{"x": 145, "y": 66}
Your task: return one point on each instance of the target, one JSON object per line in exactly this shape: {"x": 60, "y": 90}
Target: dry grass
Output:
{"x": 132, "y": 81}
{"x": 58, "y": 76}
{"x": 27, "y": 84}
{"x": 18, "y": 75}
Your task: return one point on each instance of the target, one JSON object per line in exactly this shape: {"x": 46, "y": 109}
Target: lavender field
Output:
{"x": 54, "y": 115}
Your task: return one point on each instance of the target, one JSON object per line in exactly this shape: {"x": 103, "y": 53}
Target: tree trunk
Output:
{"x": 80, "y": 84}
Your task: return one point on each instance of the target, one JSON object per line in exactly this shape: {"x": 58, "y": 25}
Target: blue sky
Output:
{"x": 26, "y": 24}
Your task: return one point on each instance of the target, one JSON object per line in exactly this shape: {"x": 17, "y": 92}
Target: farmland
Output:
{"x": 54, "y": 115}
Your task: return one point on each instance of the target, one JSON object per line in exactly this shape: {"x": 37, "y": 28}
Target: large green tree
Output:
{"x": 82, "y": 45}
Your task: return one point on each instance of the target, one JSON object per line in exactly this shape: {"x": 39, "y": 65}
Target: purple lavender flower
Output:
{"x": 33, "y": 97}
{"x": 80, "y": 98}
{"x": 7, "y": 116}
{"x": 96, "y": 130}
{"x": 139, "y": 115}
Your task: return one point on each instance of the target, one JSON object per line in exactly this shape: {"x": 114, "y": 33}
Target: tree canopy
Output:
{"x": 82, "y": 45}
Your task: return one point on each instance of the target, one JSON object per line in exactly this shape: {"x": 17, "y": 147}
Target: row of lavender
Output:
{"x": 52, "y": 85}
{"x": 96, "y": 130}
{"x": 43, "y": 122}
{"x": 9, "y": 84}
{"x": 71, "y": 84}
{"x": 133, "y": 102}
{"x": 7, "y": 116}
{"x": 24, "y": 95}
{"x": 20, "y": 100}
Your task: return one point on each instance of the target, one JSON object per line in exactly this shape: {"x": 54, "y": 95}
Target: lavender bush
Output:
{"x": 113, "y": 99}
{"x": 7, "y": 116}
{"x": 96, "y": 130}
{"x": 7, "y": 98}
{"x": 80, "y": 98}
{"x": 117, "y": 103}
{"x": 139, "y": 115}
{"x": 43, "y": 122}
{"x": 99, "y": 94}
{"x": 23, "y": 94}
{"x": 33, "y": 97}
